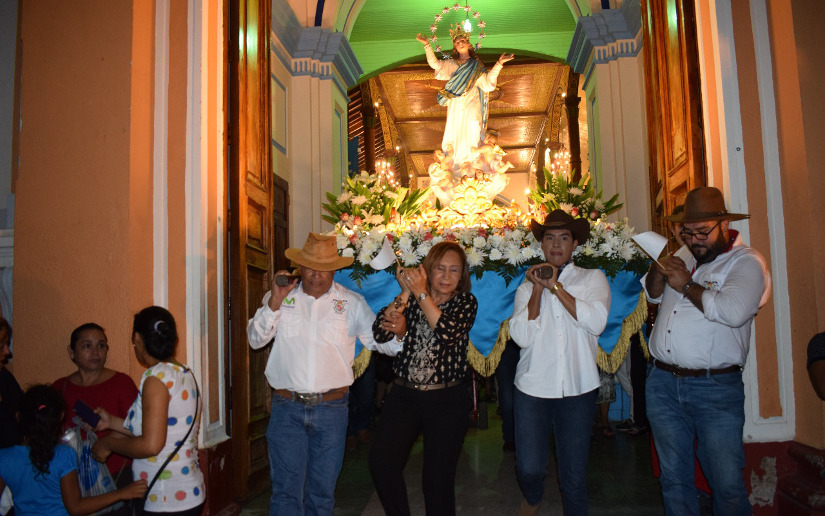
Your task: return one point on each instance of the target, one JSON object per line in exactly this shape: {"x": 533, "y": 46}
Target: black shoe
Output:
{"x": 625, "y": 425}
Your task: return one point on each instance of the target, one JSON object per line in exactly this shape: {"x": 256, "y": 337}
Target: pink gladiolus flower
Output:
{"x": 345, "y": 217}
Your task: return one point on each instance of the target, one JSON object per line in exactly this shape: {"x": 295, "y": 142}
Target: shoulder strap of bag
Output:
{"x": 180, "y": 444}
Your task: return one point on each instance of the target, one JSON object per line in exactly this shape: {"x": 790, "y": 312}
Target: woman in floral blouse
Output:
{"x": 432, "y": 317}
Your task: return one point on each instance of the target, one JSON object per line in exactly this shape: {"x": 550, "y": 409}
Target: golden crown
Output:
{"x": 457, "y": 31}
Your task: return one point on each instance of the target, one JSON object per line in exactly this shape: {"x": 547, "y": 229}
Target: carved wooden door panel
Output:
{"x": 251, "y": 235}
{"x": 674, "y": 106}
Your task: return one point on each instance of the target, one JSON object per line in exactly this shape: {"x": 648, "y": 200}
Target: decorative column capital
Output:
{"x": 606, "y": 36}
{"x": 313, "y": 51}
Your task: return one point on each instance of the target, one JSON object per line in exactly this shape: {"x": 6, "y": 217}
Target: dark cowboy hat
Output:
{"x": 559, "y": 219}
{"x": 704, "y": 204}
{"x": 320, "y": 252}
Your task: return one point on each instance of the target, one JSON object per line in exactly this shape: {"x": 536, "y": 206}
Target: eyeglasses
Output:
{"x": 698, "y": 235}
{"x": 100, "y": 346}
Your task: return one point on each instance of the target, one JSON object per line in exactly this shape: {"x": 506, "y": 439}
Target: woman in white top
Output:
{"x": 159, "y": 419}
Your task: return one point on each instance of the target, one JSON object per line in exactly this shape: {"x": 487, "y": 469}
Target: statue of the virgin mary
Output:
{"x": 465, "y": 94}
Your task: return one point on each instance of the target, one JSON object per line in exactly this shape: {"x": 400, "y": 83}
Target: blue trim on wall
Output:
{"x": 319, "y": 13}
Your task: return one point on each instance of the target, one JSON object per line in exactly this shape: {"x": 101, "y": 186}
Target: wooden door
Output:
{"x": 674, "y": 106}
{"x": 251, "y": 235}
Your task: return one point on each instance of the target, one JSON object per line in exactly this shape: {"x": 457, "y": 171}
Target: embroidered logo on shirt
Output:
{"x": 711, "y": 285}
{"x": 288, "y": 301}
{"x": 339, "y": 305}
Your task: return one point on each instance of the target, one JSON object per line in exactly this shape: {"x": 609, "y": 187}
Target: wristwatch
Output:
{"x": 686, "y": 287}
{"x": 422, "y": 296}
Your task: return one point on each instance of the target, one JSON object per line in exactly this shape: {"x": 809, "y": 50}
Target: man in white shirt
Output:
{"x": 313, "y": 324}
{"x": 557, "y": 327}
{"x": 699, "y": 344}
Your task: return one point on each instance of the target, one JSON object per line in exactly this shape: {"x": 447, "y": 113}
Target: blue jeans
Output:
{"x": 570, "y": 419}
{"x": 711, "y": 410}
{"x": 306, "y": 451}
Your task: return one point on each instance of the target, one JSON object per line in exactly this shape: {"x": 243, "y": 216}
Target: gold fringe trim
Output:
{"x": 359, "y": 365}
{"x": 632, "y": 324}
{"x": 486, "y": 366}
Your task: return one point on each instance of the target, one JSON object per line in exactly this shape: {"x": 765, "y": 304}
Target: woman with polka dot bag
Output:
{"x": 159, "y": 428}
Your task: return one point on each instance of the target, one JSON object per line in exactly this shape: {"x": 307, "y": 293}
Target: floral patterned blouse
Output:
{"x": 433, "y": 356}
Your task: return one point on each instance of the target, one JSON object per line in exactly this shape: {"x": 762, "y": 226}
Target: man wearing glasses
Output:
{"x": 698, "y": 346}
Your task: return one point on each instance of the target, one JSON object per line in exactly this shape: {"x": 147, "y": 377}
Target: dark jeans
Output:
{"x": 638, "y": 374}
{"x": 570, "y": 420}
{"x": 505, "y": 376}
{"x": 361, "y": 400}
{"x": 443, "y": 417}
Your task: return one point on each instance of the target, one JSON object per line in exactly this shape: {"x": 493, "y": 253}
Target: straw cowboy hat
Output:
{"x": 559, "y": 219}
{"x": 320, "y": 252}
{"x": 704, "y": 204}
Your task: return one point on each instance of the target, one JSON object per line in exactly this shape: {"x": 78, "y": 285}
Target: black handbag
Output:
{"x": 136, "y": 505}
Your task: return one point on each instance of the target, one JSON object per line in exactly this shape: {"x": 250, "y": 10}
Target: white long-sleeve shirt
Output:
{"x": 737, "y": 283}
{"x": 558, "y": 355}
{"x": 314, "y": 339}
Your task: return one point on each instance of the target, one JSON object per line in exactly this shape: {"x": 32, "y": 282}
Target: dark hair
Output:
{"x": 156, "y": 327}
{"x": 435, "y": 256}
{"x": 40, "y": 413}
{"x": 80, "y": 329}
{"x": 4, "y": 325}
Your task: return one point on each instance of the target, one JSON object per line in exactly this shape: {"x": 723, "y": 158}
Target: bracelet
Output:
{"x": 402, "y": 337}
{"x": 686, "y": 287}
{"x": 555, "y": 287}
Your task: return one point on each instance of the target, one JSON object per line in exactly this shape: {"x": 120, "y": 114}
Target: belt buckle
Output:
{"x": 308, "y": 398}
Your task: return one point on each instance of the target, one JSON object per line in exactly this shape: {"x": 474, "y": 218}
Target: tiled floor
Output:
{"x": 620, "y": 479}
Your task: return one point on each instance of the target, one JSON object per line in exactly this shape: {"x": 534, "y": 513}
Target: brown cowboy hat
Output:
{"x": 704, "y": 204}
{"x": 320, "y": 252}
{"x": 559, "y": 219}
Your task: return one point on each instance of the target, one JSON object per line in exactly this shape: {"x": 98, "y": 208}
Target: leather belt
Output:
{"x": 427, "y": 386}
{"x": 312, "y": 398}
{"x": 683, "y": 371}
